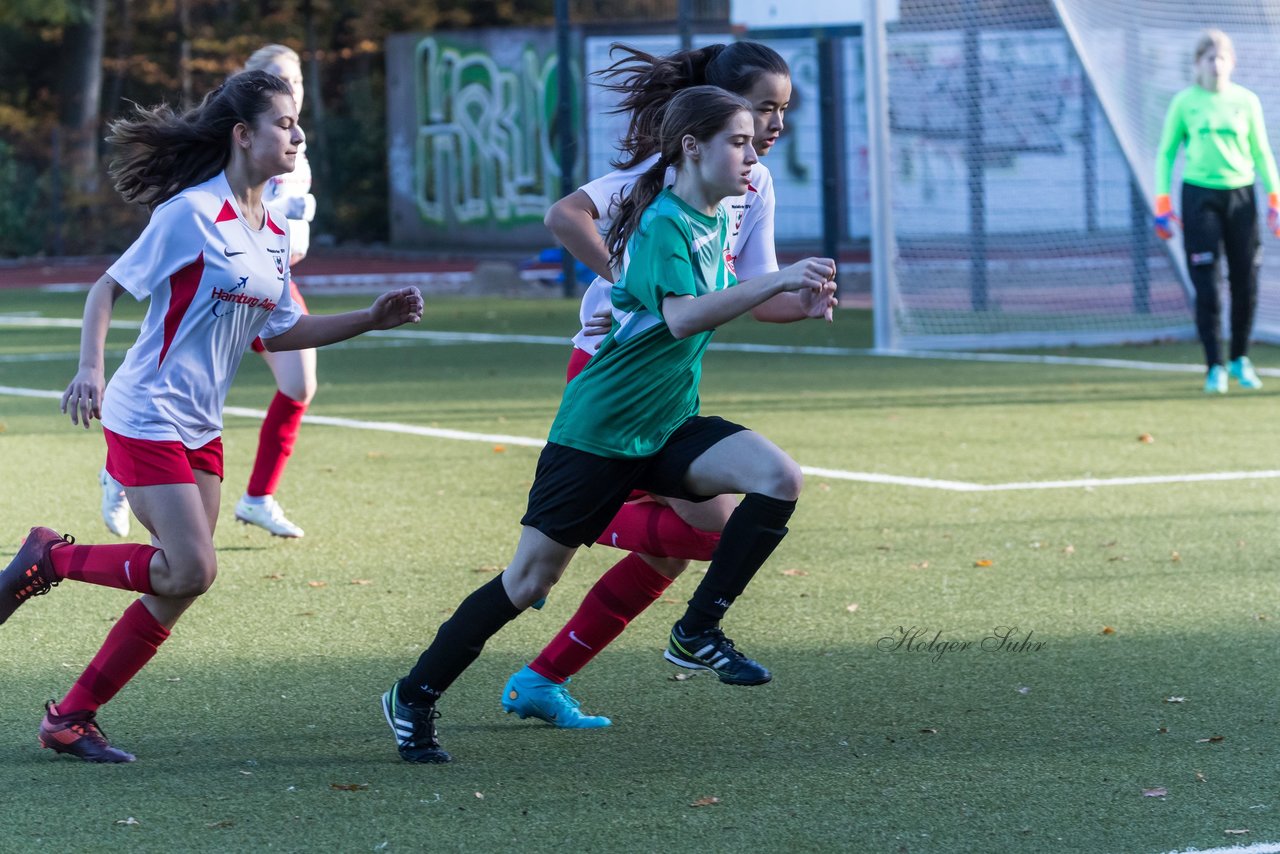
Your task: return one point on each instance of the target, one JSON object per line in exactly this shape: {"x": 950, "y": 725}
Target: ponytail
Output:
{"x": 698, "y": 111}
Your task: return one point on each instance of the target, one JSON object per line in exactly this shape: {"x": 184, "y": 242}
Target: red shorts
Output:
{"x": 257, "y": 344}
{"x": 144, "y": 462}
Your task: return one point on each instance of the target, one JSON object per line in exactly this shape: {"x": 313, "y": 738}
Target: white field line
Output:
{"x": 831, "y": 474}
{"x": 401, "y": 337}
{"x": 1256, "y": 848}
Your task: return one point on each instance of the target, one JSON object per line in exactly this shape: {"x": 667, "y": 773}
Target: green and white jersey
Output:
{"x": 643, "y": 383}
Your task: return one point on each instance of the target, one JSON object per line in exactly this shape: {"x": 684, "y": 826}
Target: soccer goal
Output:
{"x": 1021, "y": 139}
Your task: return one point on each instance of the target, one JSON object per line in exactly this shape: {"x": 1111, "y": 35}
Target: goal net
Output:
{"x": 1022, "y": 137}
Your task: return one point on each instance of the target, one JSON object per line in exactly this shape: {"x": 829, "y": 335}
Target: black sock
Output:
{"x": 458, "y": 642}
{"x": 752, "y": 533}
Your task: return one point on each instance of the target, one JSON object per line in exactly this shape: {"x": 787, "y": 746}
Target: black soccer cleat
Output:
{"x": 711, "y": 650}
{"x": 414, "y": 728}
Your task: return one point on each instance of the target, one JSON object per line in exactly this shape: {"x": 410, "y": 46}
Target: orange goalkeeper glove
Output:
{"x": 1273, "y": 213}
{"x": 1165, "y": 217}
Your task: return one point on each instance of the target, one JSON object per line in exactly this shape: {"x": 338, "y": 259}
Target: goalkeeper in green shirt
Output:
{"x": 1221, "y": 126}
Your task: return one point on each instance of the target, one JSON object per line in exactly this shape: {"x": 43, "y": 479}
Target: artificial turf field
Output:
{"x": 1152, "y": 609}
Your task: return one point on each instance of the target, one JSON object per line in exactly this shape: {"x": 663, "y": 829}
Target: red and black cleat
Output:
{"x": 78, "y": 734}
{"x": 30, "y": 573}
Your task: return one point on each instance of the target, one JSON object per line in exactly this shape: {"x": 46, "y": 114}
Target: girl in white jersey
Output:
{"x": 632, "y": 418}
{"x": 214, "y": 262}
{"x": 661, "y": 534}
{"x": 288, "y": 195}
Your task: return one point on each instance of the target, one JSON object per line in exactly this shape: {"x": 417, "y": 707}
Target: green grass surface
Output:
{"x": 261, "y": 712}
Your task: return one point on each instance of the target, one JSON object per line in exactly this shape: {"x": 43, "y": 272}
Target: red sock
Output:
{"x": 126, "y": 566}
{"x": 275, "y": 444}
{"x": 130, "y": 644}
{"x": 655, "y": 529}
{"x": 620, "y": 595}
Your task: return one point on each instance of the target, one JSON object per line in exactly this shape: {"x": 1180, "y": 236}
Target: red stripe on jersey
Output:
{"x": 182, "y": 290}
{"x": 227, "y": 213}
{"x": 271, "y": 225}
{"x": 751, "y": 188}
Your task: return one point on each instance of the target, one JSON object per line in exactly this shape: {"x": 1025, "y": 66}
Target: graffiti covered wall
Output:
{"x": 471, "y": 137}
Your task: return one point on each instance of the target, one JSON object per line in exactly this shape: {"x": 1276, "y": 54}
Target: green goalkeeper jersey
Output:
{"x": 643, "y": 382}
{"x": 1225, "y": 138}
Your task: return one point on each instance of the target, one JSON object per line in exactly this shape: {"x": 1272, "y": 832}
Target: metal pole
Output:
{"x": 567, "y": 138}
{"x": 828, "y": 134}
{"x": 884, "y": 284}
{"x": 975, "y": 158}
{"x": 684, "y": 23}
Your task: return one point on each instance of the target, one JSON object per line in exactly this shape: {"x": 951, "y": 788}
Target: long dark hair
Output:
{"x": 163, "y": 152}
{"x": 647, "y": 82}
{"x": 698, "y": 111}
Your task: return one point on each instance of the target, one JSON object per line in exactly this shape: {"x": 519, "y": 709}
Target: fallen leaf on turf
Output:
{"x": 884, "y": 547}
{"x": 1213, "y": 739}
{"x": 1024, "y": 690}
{"x": 1175, "y": 557}
{"x": 480, "y": 795}
{"x": 924, "y": 564}
{"x": 824, "y": 487}
{"x": 363, "y": 582}
{"x": 1175, "y": 699}
{"x": 794, "y": 573}
{"x": 305, "y": 614}
{"x": 667, "y": 600}
{"x": 851, "y": 607}
{"x": 1146, "y": 438}
{"x": 349, "y": 787}
{"x": 1200, "y": 778}
{"x": 983, "y": 562}
{"x": 929, "y": 731}
{"x": 129, "y": 822}
{"x": 1241, "y": 832}
{"x": 1110, "y": 544}
{"x": 1107, "y": 630}
{"x": 226, "y": 822}
{"x": 1164, "y": 730}
{"x": 246, "y": 773}
{"x": 707, "y": 801}
{"x": 1069, "y": 550}
{"x": 174, "y": 679}
{"x": 487, "y": 569}
{"x": 375, "y": 455}
{"x": 681, "y": 677}
{"x": 1157, "y": 792}
{"x": 498, "y": 449}
{"x": 275, "y": 576}
{"x": 317, "y": 584}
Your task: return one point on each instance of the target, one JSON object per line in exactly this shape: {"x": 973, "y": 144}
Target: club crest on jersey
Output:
{"x": 729, "y": 258}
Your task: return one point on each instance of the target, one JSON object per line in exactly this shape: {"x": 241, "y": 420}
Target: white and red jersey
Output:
{"x": 290, "y": 196}
{"x": 215, "y": 284}
{"x": 751, "y": 251}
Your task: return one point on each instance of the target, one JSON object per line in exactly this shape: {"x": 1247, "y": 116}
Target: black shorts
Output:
{"x": 576, "y": 494}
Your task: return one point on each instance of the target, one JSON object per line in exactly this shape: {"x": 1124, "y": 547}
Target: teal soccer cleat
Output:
{"x": 1215, "y": 382}
{"x": 1241, "y": 370}
{"x": 531, "y": 695}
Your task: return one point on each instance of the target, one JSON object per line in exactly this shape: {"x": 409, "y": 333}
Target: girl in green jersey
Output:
{"x": 631, "y": 419}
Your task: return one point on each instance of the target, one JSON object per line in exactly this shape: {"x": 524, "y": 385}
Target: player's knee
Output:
{"x": 668, "y": 567}
{"x": 784, "y": 480}
{"x": 193, "y": 576}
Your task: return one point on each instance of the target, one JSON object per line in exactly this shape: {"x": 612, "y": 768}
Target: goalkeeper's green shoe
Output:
{"x": 1241, "y": 370}
{"x": 1215, "y": 382}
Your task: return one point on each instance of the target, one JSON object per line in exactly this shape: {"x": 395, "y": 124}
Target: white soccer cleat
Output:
{"x": 267, "y": 515}
{"x": 115, "y": 506}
